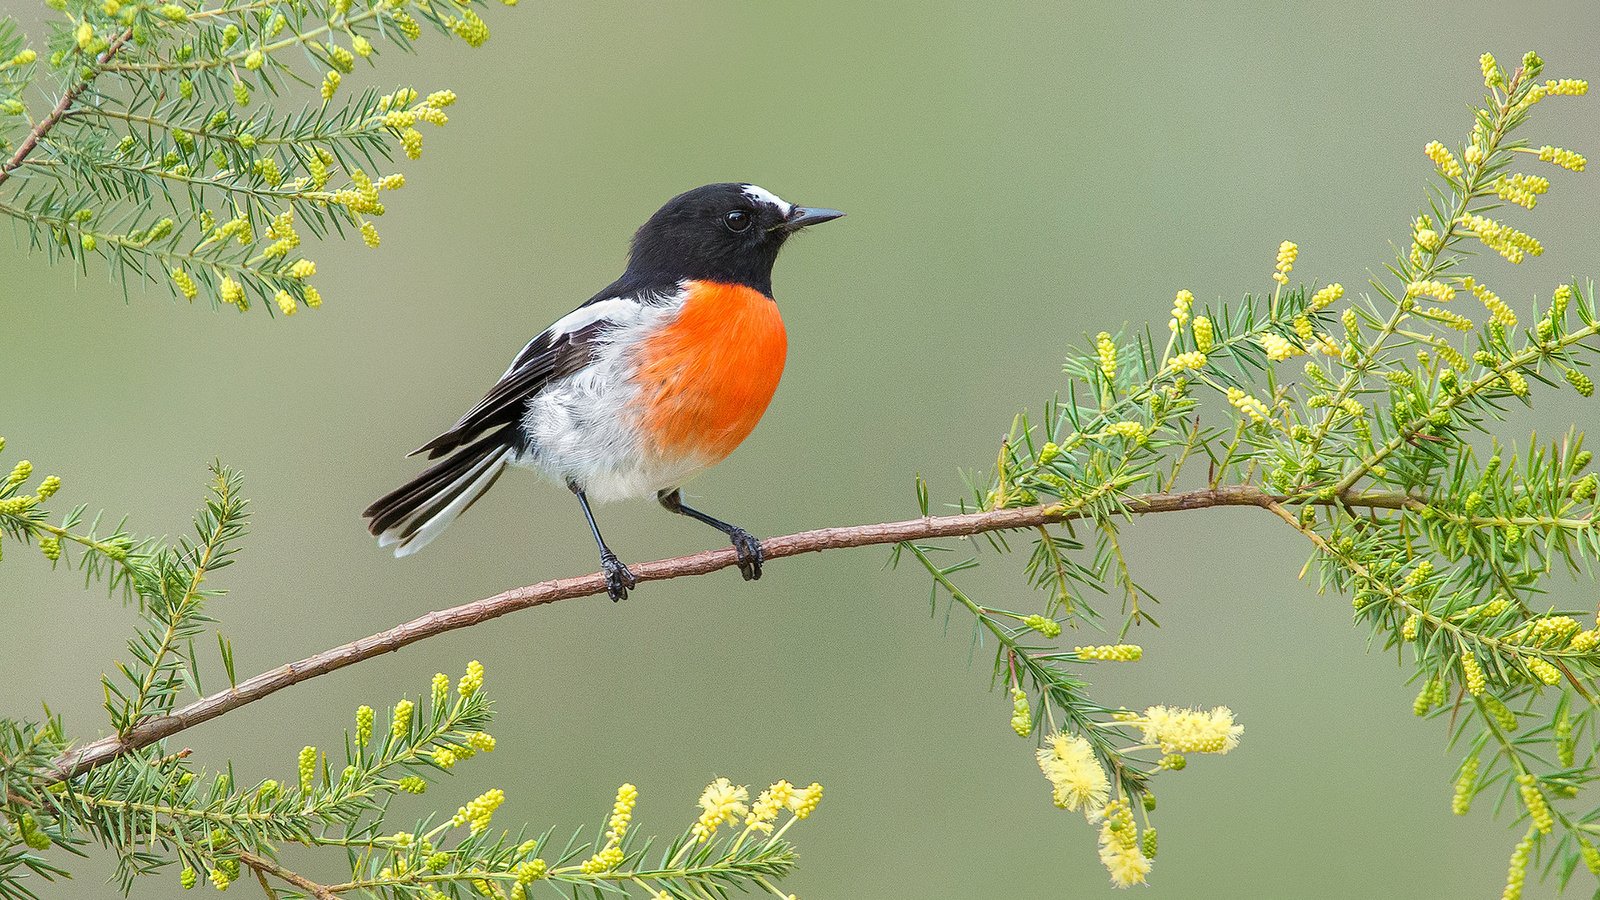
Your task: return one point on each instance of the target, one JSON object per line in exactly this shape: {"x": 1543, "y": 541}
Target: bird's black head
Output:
{"x": 726, "y": 232}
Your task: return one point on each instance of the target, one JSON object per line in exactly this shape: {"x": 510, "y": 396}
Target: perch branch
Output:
{"x": 155, "y": 728}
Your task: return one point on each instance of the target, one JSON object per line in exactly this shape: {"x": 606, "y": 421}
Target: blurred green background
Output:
{"x": 1017, "y": 175}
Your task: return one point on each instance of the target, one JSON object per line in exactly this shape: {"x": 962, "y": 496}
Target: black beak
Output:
{"x": 801, "y": 216}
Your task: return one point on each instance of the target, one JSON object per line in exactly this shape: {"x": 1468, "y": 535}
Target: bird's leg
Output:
{"x": 744, "y": 543}
{"x": 618, "y": 578}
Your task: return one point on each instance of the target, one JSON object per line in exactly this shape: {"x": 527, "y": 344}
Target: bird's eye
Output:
{"x": 737, "y": 221}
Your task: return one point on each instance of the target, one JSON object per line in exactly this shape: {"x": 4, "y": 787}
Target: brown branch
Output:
{"x": 50, "y": 121}
{"x": 264, "y": 867}
{"x": 99, "y": 752}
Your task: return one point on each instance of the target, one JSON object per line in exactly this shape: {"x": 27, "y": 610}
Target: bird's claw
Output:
{"x": 750, "y": 554}
{"x": 618, "y": 579}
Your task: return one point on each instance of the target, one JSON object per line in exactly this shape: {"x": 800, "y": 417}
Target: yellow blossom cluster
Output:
{"x": 1204, "y": 334}
{"x": 401, "y": 724}
{"x": 1181, "y": 306}
{"x": 1517, "y": 871}
{"x": 1133, "y": 431}
{"x": 1106, "y": 350}
{"x": 1438, "y": 290}
{"x": 1443, "y": 160}
{"x": 1288, "y": 252}
{"x": 1278, "y": 347}
{"x": 1192, "y": 359}
{"x": 1249, "y": 405}
{"x": 1492, "y": 74}
{"x": 1534, "y": 799}
{"x": 1552, "y": 630}
{"x": 1565, "y": 87}
{"x": 1472, "y": 672}
{"x": 1510, "y": 243}
{"x": 1120, "y": 852}
{"x": 1466, "y": 786}
{"x": 1523, "y": 190}
{"x": 1566, "y": 159}
{"x": 1498, "y": 309}
{"x": 622, "y": 812}
{"x": 478, "y": 812}
{"x": 1110, "y": 652}
{"x": 1544, "y": 671}
{"x": 472, "y": 680}
{"x": 1045, "y": 625}
{"x": 1449, "y": 318}
{"x": 1021, "y": 713}
{"x": 1326, "y": 297}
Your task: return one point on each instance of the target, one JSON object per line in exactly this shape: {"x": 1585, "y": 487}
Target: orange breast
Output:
{"x": 706, "y": 378}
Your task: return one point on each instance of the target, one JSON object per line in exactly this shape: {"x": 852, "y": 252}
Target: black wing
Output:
{"x": 552, "y": 355}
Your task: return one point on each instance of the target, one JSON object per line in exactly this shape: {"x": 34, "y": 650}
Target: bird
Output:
{"x": 648, "y": 383}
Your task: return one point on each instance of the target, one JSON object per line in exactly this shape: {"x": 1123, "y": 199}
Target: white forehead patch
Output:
{"x": 762, "y": 195}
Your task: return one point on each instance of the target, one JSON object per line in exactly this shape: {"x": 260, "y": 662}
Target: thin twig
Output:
{"x": 263, "y": 867}
{"x": 155, "y": 728}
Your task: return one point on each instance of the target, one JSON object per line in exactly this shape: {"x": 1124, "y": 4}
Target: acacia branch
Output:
{"x": 99, "y": 752}
{"x": 44, "y": 125}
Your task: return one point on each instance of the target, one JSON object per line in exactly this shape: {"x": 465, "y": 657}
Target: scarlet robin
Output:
{"x": 650, "y": 382}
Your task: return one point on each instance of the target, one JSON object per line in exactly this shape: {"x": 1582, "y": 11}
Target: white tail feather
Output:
{"x": 464, "y": 489}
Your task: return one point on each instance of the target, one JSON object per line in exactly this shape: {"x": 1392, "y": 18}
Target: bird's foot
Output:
{"x": 748, "y": 548}
{"x": 618, "y": 579}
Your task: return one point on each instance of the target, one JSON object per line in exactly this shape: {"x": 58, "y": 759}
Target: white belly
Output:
{"x": 581, "y": 432}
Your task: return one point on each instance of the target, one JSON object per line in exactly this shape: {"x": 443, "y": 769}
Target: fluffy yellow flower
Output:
{"x": 1077, "y": 779}
{"x": 722, "y": 801}
{"x": 1191, "y": 730}
{"x": 772, "y": 801}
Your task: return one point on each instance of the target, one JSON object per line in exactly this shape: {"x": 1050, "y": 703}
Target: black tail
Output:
{"x": 408, "y": 517}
